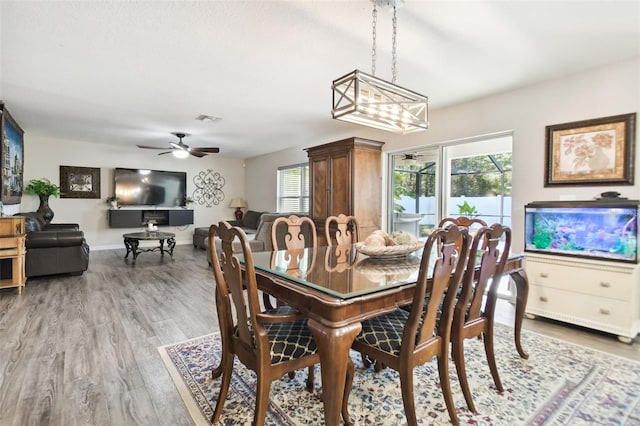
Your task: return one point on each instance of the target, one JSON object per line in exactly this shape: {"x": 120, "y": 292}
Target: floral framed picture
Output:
{"x": 591, "y": 152}
{"x": 79, "y": 182}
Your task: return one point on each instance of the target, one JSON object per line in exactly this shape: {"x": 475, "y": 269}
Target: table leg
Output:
{"x": 134, "y": 249}
{"x": 127, "y": 245}
{"x": 522, "y": 294}
{"x": 333, "y": 346}
{"x": 161, "y": 248}
{"x": 171, "y": 243}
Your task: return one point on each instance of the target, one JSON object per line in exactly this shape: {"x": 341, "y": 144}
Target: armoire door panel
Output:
{"x": 319, "y": 191}
{"x": 339, "y": 194}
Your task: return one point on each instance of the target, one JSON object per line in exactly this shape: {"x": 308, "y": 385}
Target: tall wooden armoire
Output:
{"x": 346, "y": 177}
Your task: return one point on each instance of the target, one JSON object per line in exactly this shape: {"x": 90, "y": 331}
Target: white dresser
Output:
{"x": 601, "y": 295}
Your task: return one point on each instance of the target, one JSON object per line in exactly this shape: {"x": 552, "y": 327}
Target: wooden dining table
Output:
{"x": 337, "y": 288}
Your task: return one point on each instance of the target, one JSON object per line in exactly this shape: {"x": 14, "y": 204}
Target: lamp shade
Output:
{"x": 238, "y": 202}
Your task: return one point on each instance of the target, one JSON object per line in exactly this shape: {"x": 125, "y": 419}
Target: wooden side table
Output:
{"x": 12, "y": 252}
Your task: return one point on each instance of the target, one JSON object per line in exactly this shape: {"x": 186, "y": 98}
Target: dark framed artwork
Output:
{"x": 79, "y": 182}
{"x": 600, "y": 151}
{"x": 11, "y": 158}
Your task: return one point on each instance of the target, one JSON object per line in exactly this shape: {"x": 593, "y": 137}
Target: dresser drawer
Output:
{"x": 582, "y": 309}
{"x": 609, "y": 283}
{"x": 11, "y": 246}
{"x": 11, "y": 226}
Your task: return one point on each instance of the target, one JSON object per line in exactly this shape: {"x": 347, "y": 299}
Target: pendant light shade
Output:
{"x": 362, "y": 98}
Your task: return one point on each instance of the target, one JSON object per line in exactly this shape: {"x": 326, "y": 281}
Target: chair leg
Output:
{"x": 310, "y": 378}
{"x": 263, "y": 387}
{"x": 217, "y": 371}
{"x": 292, "y": 375}
{"x": 457, "y": 353}
{"x": 226, "y": 366}
{"x": 366, "y": 361}
{"x": 491, "y": 359}
{"x": 378, "y": 366}
{"x": 406, "y": 385}
{"x": 347, "y": 391}
{"x": 445, "y": 384}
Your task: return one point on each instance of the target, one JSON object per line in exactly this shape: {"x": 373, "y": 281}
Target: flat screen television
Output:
{"x": 143, "y": 187}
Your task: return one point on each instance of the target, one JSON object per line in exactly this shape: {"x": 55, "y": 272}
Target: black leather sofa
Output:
{"x": 53, "y": 248}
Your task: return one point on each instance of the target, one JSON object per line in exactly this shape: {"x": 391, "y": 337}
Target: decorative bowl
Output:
{"x": 389, "y": 252}
{"x": 384, "y": 270}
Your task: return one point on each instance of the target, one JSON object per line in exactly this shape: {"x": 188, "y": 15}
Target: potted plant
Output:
{"x": 114, "y": 201}
{"x": 467, "y": 209}
{"x": 43, "y": 188}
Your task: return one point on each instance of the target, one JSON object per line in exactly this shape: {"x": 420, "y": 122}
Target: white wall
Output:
{"x": 610, "y": 90}
{"x": 43, "y": 156}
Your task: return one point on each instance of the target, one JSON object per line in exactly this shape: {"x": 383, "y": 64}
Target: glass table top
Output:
{"x": 342, "y": 271}
{"x": 339, "y": 270}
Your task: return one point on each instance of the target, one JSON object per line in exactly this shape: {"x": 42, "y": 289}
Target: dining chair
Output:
{"x": 342, "y": 229}
{"x": 293, "y": 233}
{"x": 271, "y": 343}
{"x": 471, "y": 318}
{"x": 472, "y": 223}
{"x": 405, "y": 339}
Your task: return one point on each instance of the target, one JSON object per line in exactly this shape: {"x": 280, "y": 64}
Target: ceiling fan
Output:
{"x": 182, "y": 150}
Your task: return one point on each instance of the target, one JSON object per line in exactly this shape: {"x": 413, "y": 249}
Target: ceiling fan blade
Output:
{"x": 178, "y": 146}
{"x": 197, "y": 154}
{"x": 205, "y": 149}
{"x": 151, "y": 147}
{"x": 168, "y": 152}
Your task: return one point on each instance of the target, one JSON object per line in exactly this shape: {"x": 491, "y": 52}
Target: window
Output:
{"x": 293, "y": 188}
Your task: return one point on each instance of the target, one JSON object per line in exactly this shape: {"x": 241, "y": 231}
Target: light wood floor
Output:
{"x": 83, "y": 350}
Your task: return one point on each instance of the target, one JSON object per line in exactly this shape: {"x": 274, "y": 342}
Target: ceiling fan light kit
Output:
{"x": 179, "y": 153}
{"x": 365, "y": 99}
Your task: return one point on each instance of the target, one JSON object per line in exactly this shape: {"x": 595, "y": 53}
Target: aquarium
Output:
{"x": 598, "y": 229}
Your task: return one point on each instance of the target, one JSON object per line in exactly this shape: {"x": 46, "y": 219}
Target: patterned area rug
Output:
{"x": 560, "y": 384}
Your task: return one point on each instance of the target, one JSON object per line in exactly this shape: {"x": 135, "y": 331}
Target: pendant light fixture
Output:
{"x": 365, "y": 99}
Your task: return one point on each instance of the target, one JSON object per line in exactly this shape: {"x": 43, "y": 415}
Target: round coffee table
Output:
{"x": 132, "y": 240}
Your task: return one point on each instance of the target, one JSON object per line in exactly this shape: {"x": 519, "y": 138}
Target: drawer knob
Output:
{"x": 605, "y": 284}
{"x": 604, "y": 311}
{"x": 543, "y": 299}
{"x": 544, "y": 275}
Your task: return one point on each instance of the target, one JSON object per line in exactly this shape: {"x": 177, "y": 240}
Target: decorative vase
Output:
{"x": 44, "y": 209}
{"x": 114, "y": 205}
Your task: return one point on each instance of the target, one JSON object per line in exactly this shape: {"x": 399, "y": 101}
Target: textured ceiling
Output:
{"x": 132, "y": 72}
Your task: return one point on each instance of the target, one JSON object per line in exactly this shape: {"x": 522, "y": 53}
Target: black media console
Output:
{"x": 126, "y": 218}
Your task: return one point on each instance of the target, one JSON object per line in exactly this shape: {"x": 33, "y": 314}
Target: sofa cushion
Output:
{"x": 251, "y": 219}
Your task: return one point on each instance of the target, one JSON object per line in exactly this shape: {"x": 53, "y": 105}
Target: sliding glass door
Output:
{"x": 414, "y": 185}
{"x": 470, "y": 178}
{"x": 478, "y": 180}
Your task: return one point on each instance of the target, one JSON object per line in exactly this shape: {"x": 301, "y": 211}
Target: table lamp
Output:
{"x": 238, "y": 203}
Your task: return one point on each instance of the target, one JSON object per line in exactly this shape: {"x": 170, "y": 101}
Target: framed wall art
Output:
{"x": 79, "y": 182}
{"x": 600, "y": 151}
{"x": 11, "y": 158}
